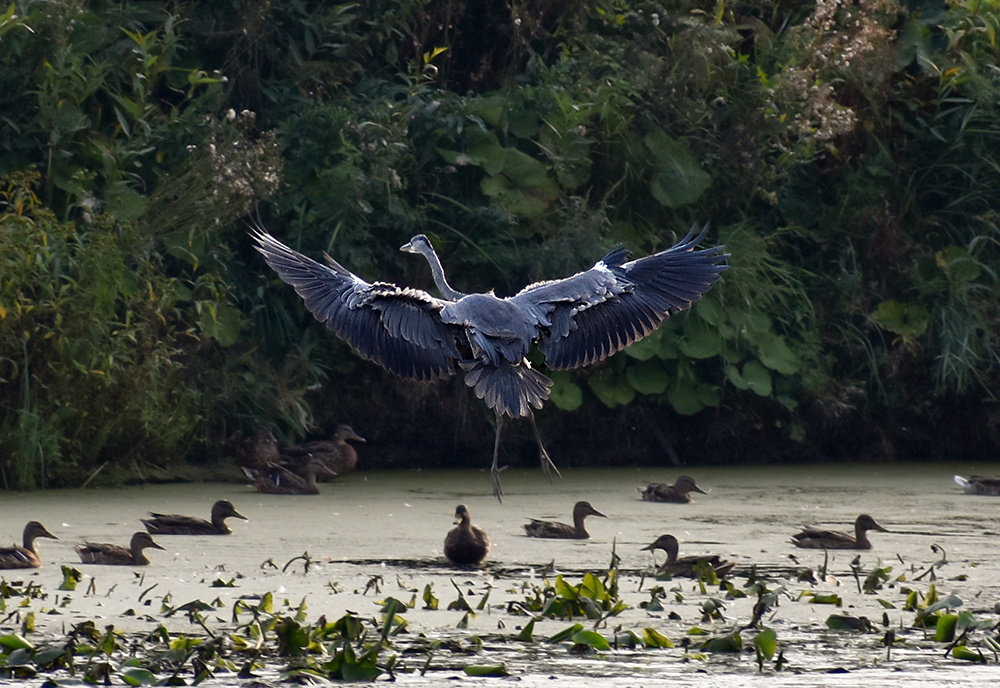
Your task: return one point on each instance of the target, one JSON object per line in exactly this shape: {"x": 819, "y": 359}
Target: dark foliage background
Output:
{"x": 845, "y": 153}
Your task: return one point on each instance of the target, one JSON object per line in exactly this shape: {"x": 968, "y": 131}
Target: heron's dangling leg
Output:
{"x": 495, "y": 470}
{"x": 547, "y": 465}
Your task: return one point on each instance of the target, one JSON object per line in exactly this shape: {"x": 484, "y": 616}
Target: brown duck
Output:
{"x": 336, "y": 454}
{"x": 26, "y": 556}
{"x": 466, "y": 545}
{"x": 259, "y": 451}
{"x": 686, "y": 566}
{"x": 103, "y": 553}
{"x": 679, "y": 492}
{"x": 980, "y": 485}
{"x": 175, "y": 524}
{"x": 277, "y": 479}
{"x": 814, "y": 538}
{"x": 554, "y": 529}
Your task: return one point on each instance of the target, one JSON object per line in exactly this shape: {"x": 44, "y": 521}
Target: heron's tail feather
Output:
{"x": 508, "y": 389}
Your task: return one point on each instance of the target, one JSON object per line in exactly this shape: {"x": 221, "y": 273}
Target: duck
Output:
{"x": 278, "y": 479}
{"x": 466, "y": 545}
{"x": 679, "y": 492}
{"x": 336, "y": 454}
{"x": 103, "y": 553}
{"x": 26, "y": 556}
{"x": 980, "y": 485}
{"x": 260, "y": 450}
{"x": 553, "y": 529}
{"x": 687, "y": 566}
{"x": 175, "y": 524}
{"x": 814, "y": 538}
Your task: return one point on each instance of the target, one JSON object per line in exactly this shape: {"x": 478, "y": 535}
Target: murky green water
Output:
{"x": 388, "y": 528}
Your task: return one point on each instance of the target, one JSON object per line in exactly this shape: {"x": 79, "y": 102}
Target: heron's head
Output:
{"x": 418, "y": 244}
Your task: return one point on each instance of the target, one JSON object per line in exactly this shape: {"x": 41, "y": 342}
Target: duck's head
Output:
{"x": 584, "y": 509}
{"x": 225, "y": 509}
{"x": 866, "y": 522}
{"x": 346, "y": 432}
{"x": 143, "y": 540}
{"x": 665, "y": 542}
{"x": 686, "y": 484}
{"x": 462, "y": 514}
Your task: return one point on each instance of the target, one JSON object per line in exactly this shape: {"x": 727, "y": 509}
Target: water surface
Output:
{"x": 386, "y": 530}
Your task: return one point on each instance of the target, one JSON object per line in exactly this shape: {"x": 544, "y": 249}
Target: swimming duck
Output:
{"x": 553, "y": 529}
{"x": 26, "y": 556}
{"x": 175, "y": 524}
{"x": 814, "y": 538}
{"x": 260, "y": 450}
{"x": 980, "y": 485}
{"x": 466, "y": 545}
{"x": 278, "y": 479}
{"x": 679, "y": 492}
{"x": 103, "y": 553}
{"x": 685, "y": 566}
{"x": 336, "y": 454}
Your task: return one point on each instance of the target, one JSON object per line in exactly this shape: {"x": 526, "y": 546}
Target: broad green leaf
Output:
{"x": 137, "y": 676}
{"x": 15, "y": 642}
{"x": 612, "y": 389}
{"x": 777, "y": 355}
{"x": 908, "y": 320}
{"x": 962, "y": 652}
{"x": 565, "y": 634}
{"x": 680, "y": 179}
{"x": 945, "y": 629}
{"x": 648, "y": 377}
{"x": 723, "y": 643}
{"x": 757, "y": 378}
{"x": 653, "y": 638}
{"x": 592, "y": 638}
{"x": 766, "y": 643}
{"x": 565, "y": 393}
{"x": 700, "y": 339}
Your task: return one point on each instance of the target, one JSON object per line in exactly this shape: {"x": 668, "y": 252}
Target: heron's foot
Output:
{"x": 495, "y": 471}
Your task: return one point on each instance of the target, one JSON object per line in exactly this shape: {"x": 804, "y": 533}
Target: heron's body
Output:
{"x": 466, "y": 544}
{"x": 25, "y": 556}
{"x": 104, "y": 553}
{"x": 688, "y": 566}
{"x": 336, "y": 454}
{"x": 176, "y": 524}
{"x": 814, "y": 538}
{"x": 679, "y": 492}
{"x": 554, "y": 529}
{"x": 573, "y": 322}
{"x": 980, "y": 485}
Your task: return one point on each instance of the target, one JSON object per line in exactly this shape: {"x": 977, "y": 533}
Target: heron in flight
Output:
{"x": 573, "y": 322}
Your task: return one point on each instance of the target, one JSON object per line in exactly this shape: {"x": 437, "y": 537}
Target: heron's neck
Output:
{"x": 440, "y": 281}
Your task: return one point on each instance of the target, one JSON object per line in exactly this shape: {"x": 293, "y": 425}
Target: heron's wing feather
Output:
{"x": 398, "y": 328}
{"x": 588, "y": 317}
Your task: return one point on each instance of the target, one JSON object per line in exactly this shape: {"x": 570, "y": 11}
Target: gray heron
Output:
{"x": 573, "y": 322}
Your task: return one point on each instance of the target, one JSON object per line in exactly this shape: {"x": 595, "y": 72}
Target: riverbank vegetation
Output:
{"x": 847, "y": 155}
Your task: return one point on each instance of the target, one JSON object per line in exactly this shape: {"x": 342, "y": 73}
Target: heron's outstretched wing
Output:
{"x": 398, "y": 328}
{"x": 593, "y": 314}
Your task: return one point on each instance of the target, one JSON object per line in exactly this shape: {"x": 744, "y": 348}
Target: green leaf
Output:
{"x": 766, "y": 643}
{"x": 757, "y": 378}
{"x": 700, "y": 339}
{"x": 612, "y": 389}
{"x": 648, "y": 377}
{"x": 15, "y": 642}
{"x": 962, "y": 652}
{"x": 137, "y": 676}
{"x": 565, "y": 634}
{"x": 565, "y": 393}
{"x": 653, "y": 638}
{"x": 680, "y": 179}
{"x": 527, "y": 632}
{"x": 592, "y": 638}
{"x": 487, "y": 670}
{"x": 958, "y": 264}
{"x": 945, "y": 630}
{"x": 777, "y": 355}
{"x": 908, "y": 320}
{"x": 723, "y": 643}
{"x": 841, "y": 622}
